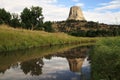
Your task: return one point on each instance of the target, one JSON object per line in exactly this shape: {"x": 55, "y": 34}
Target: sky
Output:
{"x": 102, "y": 11}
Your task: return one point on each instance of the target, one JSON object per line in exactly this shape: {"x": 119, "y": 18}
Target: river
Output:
{"x": 46, "y": 63}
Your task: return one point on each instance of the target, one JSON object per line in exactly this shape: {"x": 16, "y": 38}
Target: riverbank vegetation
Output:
{"x": 105, "y": 59}
{"x": 13, "y": 39}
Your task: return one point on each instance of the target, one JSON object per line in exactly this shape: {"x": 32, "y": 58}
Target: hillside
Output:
{"x": 86, "y": 28}
{"x": 13, "y": 39}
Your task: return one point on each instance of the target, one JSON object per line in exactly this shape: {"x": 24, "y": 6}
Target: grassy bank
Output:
{"x": 13, "y": 39}
{"x": 106, "y": 59}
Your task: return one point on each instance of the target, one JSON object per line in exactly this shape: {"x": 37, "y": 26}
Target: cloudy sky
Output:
{"x": 103, "y": 11}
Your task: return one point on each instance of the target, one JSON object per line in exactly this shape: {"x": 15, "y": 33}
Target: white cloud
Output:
{"x": 56, "y": 12}
{"x": 104, "y": 13}
{"x": 51, "y": 10}
{"x": 79, "y": 4}
{"x": 114, "y": 4}
{"x": 48, "y": 1}
{"x": 16, "y": 5}
{"x": 75, "y": 0}
{"x": 106, "y": 17}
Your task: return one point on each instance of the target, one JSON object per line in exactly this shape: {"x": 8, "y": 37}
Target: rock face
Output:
{"x": 75, "y": 13}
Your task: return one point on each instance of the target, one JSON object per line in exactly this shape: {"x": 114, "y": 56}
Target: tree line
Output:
{"x": 30, "y": 18}
{"x": 96, "y": 33}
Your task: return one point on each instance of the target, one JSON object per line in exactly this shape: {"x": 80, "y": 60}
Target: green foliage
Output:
{"x": 96, "y": 33}
{"x": 4, "y": 16}
{"x": 91, "y": 33}
{"x": 105, "y": 59}
{"x": 78, "y": 33}
{"x": 25, "y": 17}
{"x": 32, "y": 17}
{"x": 15, "y": 21}
{"x": 48, "y": 26}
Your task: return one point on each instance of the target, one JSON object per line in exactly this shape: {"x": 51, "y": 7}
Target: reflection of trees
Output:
{"x": 34, "y": 67}
{"x": 4, "y": 68}
{"x": 2, "y": 71}
{"x": 48, "y": 57}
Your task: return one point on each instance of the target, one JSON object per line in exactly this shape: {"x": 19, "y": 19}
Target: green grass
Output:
{"x": 13, "y": 39}
{"x": 105, "y": 59}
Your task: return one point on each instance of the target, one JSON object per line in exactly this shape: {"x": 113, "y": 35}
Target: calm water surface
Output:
{"x": 51, "y": 63}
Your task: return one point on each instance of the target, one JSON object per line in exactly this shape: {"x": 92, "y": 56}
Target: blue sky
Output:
{"x": 87, "y": 3}
{"x": 91, "y": 4}
{"x": 103, "y": 11}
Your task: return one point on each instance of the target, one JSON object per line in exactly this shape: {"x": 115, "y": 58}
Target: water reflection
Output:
{"x": 65, "y": 64}
{"x": 34, "y": 67}
{"x": 75, "y": 64}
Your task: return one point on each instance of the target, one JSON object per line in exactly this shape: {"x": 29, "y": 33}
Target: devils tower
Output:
{"x": 75, "y": 13}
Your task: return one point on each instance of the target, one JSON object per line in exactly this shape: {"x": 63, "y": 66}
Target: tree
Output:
{"x": 15, "y": 21}
{"x": 32, "y": 17}
{"x": 91, "y": 33}
{"x": 4, "y": 16}
{"x": 80, "y": 33}
{"x": 48, "y": 26}
{"x": 25, "y": 17}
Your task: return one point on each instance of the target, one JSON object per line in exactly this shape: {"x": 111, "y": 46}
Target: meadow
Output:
{"x": 14, "y": 39}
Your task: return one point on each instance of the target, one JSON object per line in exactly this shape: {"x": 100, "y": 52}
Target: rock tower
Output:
{"x": 75, "y": 13}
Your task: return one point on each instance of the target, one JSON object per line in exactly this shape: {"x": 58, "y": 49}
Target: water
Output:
{"x": 50, "y": 63}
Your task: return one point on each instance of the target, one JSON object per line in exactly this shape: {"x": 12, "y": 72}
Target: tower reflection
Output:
{"x": 75, "y": 64}
{"x": 74, "y": 56}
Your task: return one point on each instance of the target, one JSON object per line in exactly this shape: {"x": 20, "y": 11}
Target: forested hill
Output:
{"x": 85, "y": 28}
